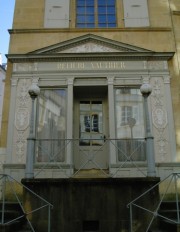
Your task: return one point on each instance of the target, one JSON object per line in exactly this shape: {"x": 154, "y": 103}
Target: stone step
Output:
{"x": 25, "y": 228}
{"x": 168, "y": 209}
{"x": 9, "y": 211}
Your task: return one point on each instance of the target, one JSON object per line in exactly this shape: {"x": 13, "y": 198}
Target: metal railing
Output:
{"x": 171, "y": 192}
{"x": 54, "y": 151}
{"x": 10, "y": 194}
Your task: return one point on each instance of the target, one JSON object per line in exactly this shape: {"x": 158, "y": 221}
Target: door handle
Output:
{"x": 104, "y": 138}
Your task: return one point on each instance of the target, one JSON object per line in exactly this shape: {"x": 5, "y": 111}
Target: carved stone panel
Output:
{"x": 160, "y": 120}
{"x": 90, "y": 47}
{"x": 21, "y": 121}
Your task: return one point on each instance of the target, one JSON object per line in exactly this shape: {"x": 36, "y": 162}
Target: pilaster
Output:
{"x": 112, "y": 130}
{"x": 10, "y": 146}
{"x": 171, "y": 129}
{"x": 69, "y": 123}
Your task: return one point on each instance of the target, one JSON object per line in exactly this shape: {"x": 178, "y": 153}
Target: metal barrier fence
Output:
{"x": 168, "y": 214}
{"x": 12, "y": 192}
{"x": 126, "y": 151}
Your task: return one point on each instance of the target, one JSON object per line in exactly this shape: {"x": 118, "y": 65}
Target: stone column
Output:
{"x": 69, "y": 158}
{"x": 112, "y": 134}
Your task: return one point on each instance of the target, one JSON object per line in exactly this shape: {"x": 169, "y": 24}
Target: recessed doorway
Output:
{"x": 90, "y": 128}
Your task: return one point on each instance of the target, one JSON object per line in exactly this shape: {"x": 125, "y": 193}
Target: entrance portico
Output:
{"x": 89, "y": 94}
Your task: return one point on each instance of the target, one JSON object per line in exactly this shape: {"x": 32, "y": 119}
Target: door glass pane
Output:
{"x": 97, "y": 125}
{"x": 97, "y": 116}
{"x": 91, "y": 124}
{"x": 84, "y": 125}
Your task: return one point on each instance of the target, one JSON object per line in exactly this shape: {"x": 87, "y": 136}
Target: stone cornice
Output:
{"x": 89, "y": 47}
{"x": 15, "y": 58}
{"x": 89, "y": 30}
{"x": 176, "y": 12}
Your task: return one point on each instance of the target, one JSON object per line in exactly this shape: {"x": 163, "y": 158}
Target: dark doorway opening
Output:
{"x": 90, "y": 226}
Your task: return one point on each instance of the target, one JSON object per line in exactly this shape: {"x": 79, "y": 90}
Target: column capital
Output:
{"x": 166, "y": 79}
{"x": 145, "y": 79}
{"x": 14, "y": 81}
{"x": 70, "y": 81}
{"x": 35, "y": 80}
{"x": 110, "y": 80}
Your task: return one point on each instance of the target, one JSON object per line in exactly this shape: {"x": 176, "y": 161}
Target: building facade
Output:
{"x": 2, "y": 79}
{"x": 89, "y": 59}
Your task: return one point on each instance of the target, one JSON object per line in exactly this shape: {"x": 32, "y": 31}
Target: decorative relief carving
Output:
{"x": 14, "y": 67}
{"x": 128, "y": 81}
{"x": 110, "y": 80}
{"x": 145, "y": 79}
{"x": 14, "y": 82}
{"x": 165, "y": 65}
{"x": 162, "y": 144}
{"x": 157, "y": 95}
{"x": 23, "y": 96}
{"x": 145, "y": 64}
{"x": 89, "y": 47}
{"x": 20, "y": 146}
{"x": 166, "y": 79}
{"x": 159, "y": 117}
{"x": 155, "y": 65}
{"x": 35, "y": 66}
{"x": 22, "y": 117}
{"x": 70, "y": 81}
{"x": 21, "y": 67}
{"x": 1, "y": 166}
{"x": 24, "y": 67}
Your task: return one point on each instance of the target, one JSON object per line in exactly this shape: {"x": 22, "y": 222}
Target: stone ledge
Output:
{"x": 84, "y": 30}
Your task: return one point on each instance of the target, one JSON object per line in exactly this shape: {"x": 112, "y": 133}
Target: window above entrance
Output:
{"x": 95, "y": 13}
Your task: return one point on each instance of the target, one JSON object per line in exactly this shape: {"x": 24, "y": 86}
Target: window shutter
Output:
{"x": 136, "y": 13}
{"x": 56, "y": 14}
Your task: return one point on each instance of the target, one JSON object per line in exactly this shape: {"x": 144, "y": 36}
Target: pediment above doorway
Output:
{"x": 90, "y": 47}
{"x": 89, "y": 44}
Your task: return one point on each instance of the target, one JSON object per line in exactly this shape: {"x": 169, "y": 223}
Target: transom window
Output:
{"x": 95, "y": 13}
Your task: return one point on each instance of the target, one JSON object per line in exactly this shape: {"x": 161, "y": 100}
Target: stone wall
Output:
{"x": 91, "y": 204}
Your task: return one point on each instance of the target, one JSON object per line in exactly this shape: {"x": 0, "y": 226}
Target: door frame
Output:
{"x": 78, "y": 163}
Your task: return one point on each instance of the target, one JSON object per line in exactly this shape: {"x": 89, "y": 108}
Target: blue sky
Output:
{"x": 6, "y": 19}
